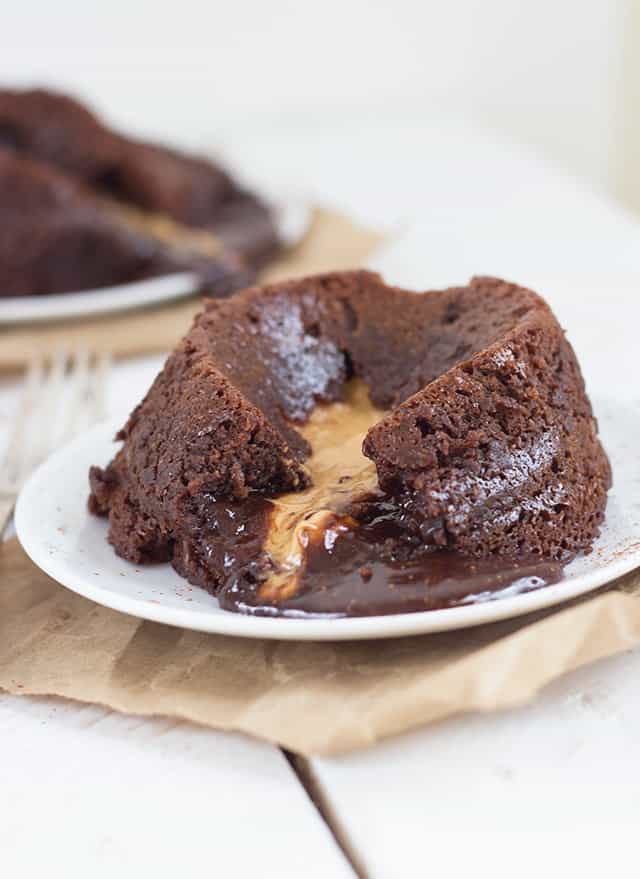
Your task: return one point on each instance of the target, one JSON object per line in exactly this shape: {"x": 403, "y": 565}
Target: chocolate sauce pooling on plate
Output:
{"x": 366, "y": 568}
{"x": 341, "y": 547}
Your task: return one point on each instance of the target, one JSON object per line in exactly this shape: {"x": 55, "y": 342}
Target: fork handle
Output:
{"x": 7, "y": 503}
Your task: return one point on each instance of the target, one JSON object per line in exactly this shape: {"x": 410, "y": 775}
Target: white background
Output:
{"x": 557, "y": 74}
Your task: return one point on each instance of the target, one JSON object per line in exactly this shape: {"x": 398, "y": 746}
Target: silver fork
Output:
{"x": 64, "y": 394}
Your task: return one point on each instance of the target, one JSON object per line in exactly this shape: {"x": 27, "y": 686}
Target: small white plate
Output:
{"x": 292, "y": 215}
{"x": 68, "y": 543}
{"x": 87, "y": 303}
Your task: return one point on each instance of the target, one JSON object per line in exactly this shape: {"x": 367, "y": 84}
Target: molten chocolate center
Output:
{"x": 339, "y": 474}
{"x": 341, "y": 548}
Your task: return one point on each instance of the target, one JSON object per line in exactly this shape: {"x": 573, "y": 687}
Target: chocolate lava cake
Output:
{"x": 58, "y": 236}
{"x": 334, "y": 445}
{"x": 154, "y": 182}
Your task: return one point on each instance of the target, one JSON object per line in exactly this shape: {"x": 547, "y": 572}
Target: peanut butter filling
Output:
{"x": 339, "y": 473}
{"x": 183, "y": 238}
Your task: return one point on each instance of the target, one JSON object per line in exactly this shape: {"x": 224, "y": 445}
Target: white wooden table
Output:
{"x": 553, "y": 786}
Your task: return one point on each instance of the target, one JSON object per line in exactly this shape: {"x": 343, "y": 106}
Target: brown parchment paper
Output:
{"x": 332, "y": 242}
{"x": 313, "y": 698}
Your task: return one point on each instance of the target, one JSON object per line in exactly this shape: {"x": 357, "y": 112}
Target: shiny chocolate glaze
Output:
{"x": 372, "y": 566}
{"x": 342, "y": 546}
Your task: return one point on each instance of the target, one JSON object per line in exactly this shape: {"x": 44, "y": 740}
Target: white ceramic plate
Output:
{"x": 292, "y": 216}
{"x": 56, "y": 530}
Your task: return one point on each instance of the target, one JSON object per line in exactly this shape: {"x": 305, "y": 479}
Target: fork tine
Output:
{"x": 99, "y": 386}
{"x": 77, "y": 391}
{"x": 48, "y": 411}
{"x": 62, "y": 393}
{"x": 86, "y": 403}
{"x": 14, "y": 461}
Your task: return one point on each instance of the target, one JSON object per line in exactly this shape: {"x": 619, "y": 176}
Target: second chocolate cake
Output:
{"x": 191, "y": 190}
{"x": 166, "y": 206}
{"x": 334, "y": 445}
